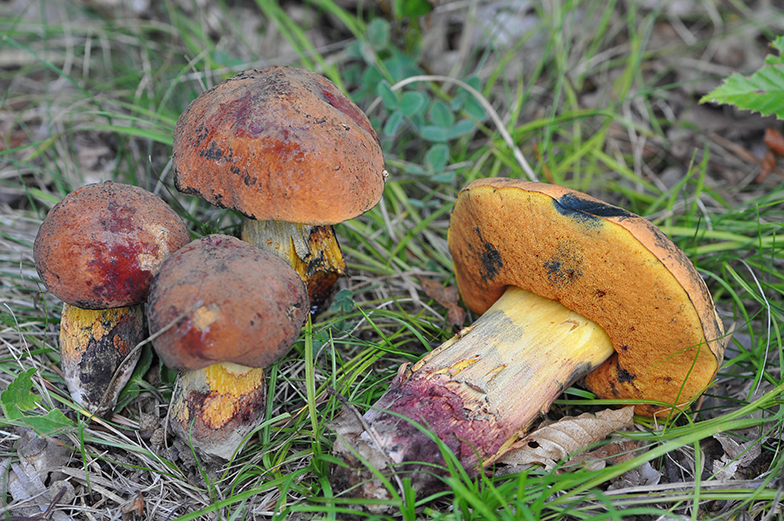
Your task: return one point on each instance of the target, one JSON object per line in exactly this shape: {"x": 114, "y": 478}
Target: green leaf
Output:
{"x": 434, "y": 133}
{"x": 444, "y": 177}
{"x": 417, "y": 120}
{"x": 464, "y": 126}
{"x": 475, "y": 109}
{"x": 50, "y": 423}
{"x": 412, "y": 103}
{"x": 411, "y": 168}
{"x": 344, "y": 301}
{"x": 18, "y": 397}
{"x": 412, "y": 8}
{"x": 466, "y": 101}
{"x": 436, "y": 157}
{"x": 441, "y": 114}
{"x": 401, "y": 66}
{"x": 772, "y": 59}
{"x": 168, "y": 375}
{"x": 368, "y": 53}
{"x": 378, "y": 33}
{"x": 762, "y": 92}
{"x": 393, "y": 123}
{"x": 387, "y": 95}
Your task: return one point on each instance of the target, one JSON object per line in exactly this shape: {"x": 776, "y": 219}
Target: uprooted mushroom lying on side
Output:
{"x": 569, "y": 288}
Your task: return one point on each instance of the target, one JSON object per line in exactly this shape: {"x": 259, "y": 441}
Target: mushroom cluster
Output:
{"x": 97, "y": 251}
{"x": 569, "y": 288}
{"x": 289, "y": 151}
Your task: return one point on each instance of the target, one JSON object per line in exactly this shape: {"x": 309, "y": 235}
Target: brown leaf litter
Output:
{"x": 446, "y": 296}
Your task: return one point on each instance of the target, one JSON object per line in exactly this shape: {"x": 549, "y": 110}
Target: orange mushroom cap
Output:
{"x": 609, "y": 265}
{"x": 279, "y": 144}
{"x": 100, "y": 246}
{"x": 224, "y": 300}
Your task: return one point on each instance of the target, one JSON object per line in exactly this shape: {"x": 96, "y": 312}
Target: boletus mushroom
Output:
{"x": 290, "y": 152}
{"x": 220, "y": 310}
{"x": 568, "y": 288}
{"x": 97, "y": 251}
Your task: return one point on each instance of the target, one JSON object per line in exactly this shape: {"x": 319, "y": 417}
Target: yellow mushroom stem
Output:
{"x": 312, "y": 251}
{"x": 217, "y": 407}
{"x": 98, "y": 353}
{"x": 478, "y": 392}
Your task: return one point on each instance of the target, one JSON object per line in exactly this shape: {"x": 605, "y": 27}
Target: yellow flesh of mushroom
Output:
{"x": 216, "y": 407}
{"x": 312, "y": 251}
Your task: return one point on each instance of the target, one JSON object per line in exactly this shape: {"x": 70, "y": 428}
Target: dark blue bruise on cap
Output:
{"x": 587, "y": 211}
{"x": 490, "y": 256}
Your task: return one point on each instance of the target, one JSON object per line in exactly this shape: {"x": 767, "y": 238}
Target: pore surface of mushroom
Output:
{"x": 288, "y": 150}
{"x": 569, "y": 287}
{"x": 98, "y": 250}
{"x": 220, "y": 311}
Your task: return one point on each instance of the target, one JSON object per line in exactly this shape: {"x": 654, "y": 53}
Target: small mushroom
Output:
{"x": 220, "y": 310}
{"x": 291, "y": 153}
{"x": 568, "y": 287}
{"x": 97, "y": 251}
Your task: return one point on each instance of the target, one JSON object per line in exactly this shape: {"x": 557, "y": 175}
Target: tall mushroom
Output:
{"x": 220, "y": 311}
{"x": 568, "y": 287}
{"x": 97, "y": 251}
{"x": 291, "y": 153}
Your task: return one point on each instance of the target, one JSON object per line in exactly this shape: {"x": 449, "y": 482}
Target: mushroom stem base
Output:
{"x": 313, "y": 252}
{"x": 478, "y": 393}
{"x": 214, "y": 409}
{"x": 97, "y": 352}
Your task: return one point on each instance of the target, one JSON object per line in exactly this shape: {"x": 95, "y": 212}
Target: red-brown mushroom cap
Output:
{"x": 610, "y": 266}
{"x": 100, "y": 246}
{"x": 226, "y": 301}
{"x": 279, "y": 144}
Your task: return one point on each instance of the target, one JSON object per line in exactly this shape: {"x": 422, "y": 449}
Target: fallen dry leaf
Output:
{"x": 27, "y": 479}
{"x": 556, "y": 441}
{"x": 644, "y": 475}
{"x": 610, "y": 454}
{"x": 447, "y": 297}
{"x": 775, "y": 141}
{"x": 768, "y": 166}
{"x": 737, "y": 456}
{"x": 134, "y": 506}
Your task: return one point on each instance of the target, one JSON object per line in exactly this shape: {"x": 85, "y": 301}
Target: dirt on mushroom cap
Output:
{"x": 225, "y": 301}
{"x": 100, "y": 246}
{"x": 279, "y": 144}
{"x": 603, "y": 262}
